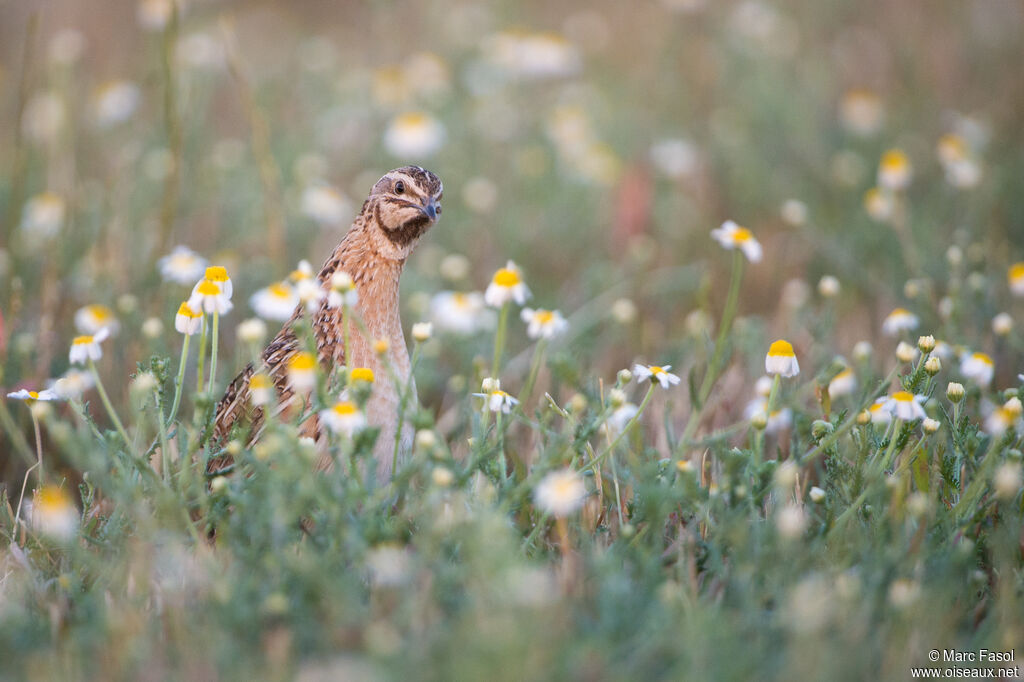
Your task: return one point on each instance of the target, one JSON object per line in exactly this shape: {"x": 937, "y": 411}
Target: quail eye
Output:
{"x": 399, "y": 187}
{"x": 437, "y": 209}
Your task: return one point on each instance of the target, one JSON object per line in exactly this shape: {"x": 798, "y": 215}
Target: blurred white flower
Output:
{"x": 74, "y": 383}
{"x": 675, "y": 157}
{"x": 560, "y": 493}
{"x": 544, "y": 324}
{"x": 898, "y": 321}
{"x": 979, "y": 368}
{"x": 115, "y": 102}
{"x": 894, "y": 170}
{"x": 325, "y": 204}
{"x": 480, "y": 194}
{"x": 414, "y": 134}
{"x": 460, "y": 313}
{"x": 153, "y": 15}
{"x": 275, "y": 302}
{"x": 92, "y": 318}
{"x": 53, "y": 514}
{"x": 844, "y": 383}
{"x": 861, "y": 112}
{"x": 732, "y": 236}
{"x": 253, "y": 331}
{"x": 906, "y": 406}
{"x": 182, "y": 265}
{"x": 43, "y": 215}
{"x": 44, "y": 117}
{"x": 532, "y": 56}
{"x": 31, "y": 396}
{"x": 66, "y": 46}
{"x": 344, "y": 417}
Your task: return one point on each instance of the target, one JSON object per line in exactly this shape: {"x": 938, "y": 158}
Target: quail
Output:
{"x": 401, "y": 207}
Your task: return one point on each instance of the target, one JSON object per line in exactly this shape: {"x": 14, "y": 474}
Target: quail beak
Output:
{"x": 432, "y": 207}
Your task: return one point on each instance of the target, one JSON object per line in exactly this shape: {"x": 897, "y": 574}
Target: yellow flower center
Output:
{"x": 217, "y": 273}
{"x": 894, "y": 161}
{"x": 953, "y": 146}
{"x": 413, "y": 119}
{"x": 781, "y": 348}
{"x": 302, "y": 362}
{"x": 81, "y": 340}
{"x": 208, "y": 288}
{"x": 981, "y": 357}
{"x": 903, "y": 396}
{"x": 742, "y": 234}
{"x": 345, "y": 409}
{"x": 51, "y": 499}
{"x": 299, "y": 275}
{"x": 499, "y": 392}
{"x": 187, "y": 311}
{"x": 899, "y": 312}
{"x": 506, "y": 277}
{"x": 362, "y": 374}
{"x": 259, "y": 381}
{"x": 1016, "y": 272}
{"x": 875, "y": 407}
{"x": 100, "y": 312}
{"x": 34, "y": 395}
{"x": 381, "y": 346}
{"x": 842, "y": 375}
{"x": 656, "y": 370}
{"x": 460, "y": 300}
{"x": 279, "y": 290}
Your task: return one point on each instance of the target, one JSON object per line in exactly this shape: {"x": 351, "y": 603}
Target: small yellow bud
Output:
{"x": 955, "y": 392}
{"x": 381, "y": 346}
{"x": 926, "y": 344}
{"x": 933, "y": 365}
{"x": 905, "y": 352}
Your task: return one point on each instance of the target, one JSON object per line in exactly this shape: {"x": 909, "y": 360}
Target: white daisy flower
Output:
{"x": 302, "y": 368}
{"x": 906, "y": 406}
{"x": 343, "y": 291}
{"x": 74, "y": 383}
{"x": 1015, "y": 278}
{"x": 732, "y": 236}
{"x": 87, "y": 347}
{"x": 979, "y": 368}
{"x": 54, "y": 514}
{"x": 560, "y": 493}
{"x": 325, "y": 205}
{"x": 620, "y": 417}
{"x": 460, "y": 313}
{"x": 656, "y": 373}
{"x": 344, "y": 418}
{"x": 844, "y": 383}
{"x": 92, "y": 318}
{"x": 261, "y": 389}
{"x": 253, "y": 330}
{"x": 44, "y": 215}
{"x": 115, "y": 102}
{"x": 209, "y": 297}
{"x": 880, "y": 415}
{"x": 422, "y": 331}
{"x": 781, "y": 359}
{"x": 32, "y": 396}
{"x": 310, "y": 293}
{"x": 496, "y": 399}
{"x": 275, "y": 302}
{"x": 1002, "y": 419}
{"x": 778, "y": 421}
{"x": 898, "y": 321}
{"x": 894, "y": 170}
{"x": 543, "y": 323}
{"x": 182, "y": 265}
{"x": 414, "y": 134}
{"x": 188, "y": 320}
{"x": 506, "y": 285}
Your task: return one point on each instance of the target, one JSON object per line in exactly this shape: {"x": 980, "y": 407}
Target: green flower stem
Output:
{"x": 639, "y": 412}
{"x": 213, "y": 351}
{"x": 403, "y": 404}
{"x": 531, "y": 378}
{"x": 106, "y": 403}
{"x": 202, "y": 356}
{"x": 759, "y": 450}
{"x": 890, "y": 451}
{"x": 180, "y": 381}
{"x": 711, "y": 376}
{"x": 14, "y": 433}
{"x": 499, "y": 340}
{"x": 39, "y": 449}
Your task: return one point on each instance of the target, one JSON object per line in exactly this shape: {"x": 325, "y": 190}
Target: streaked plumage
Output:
{"x": 402, "y": 206}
